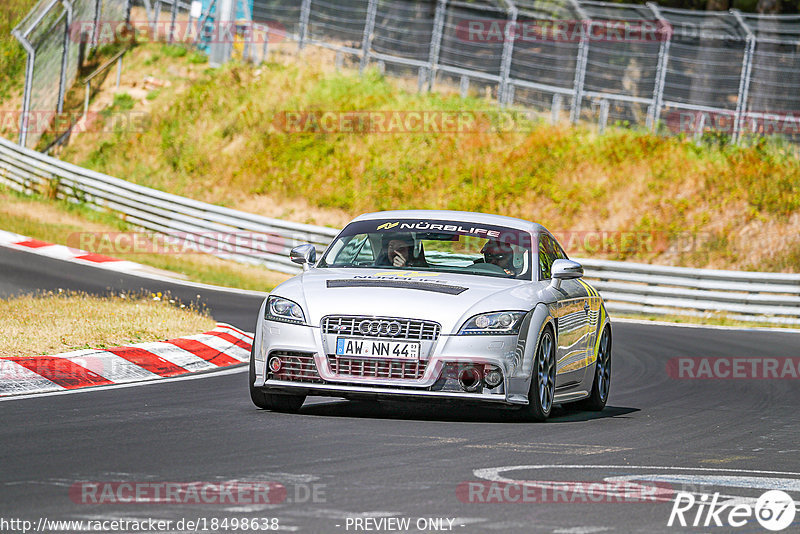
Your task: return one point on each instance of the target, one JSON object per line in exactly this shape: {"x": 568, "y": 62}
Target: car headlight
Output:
{"x": 284, "y": 310}
{"x": 497, "y": 324}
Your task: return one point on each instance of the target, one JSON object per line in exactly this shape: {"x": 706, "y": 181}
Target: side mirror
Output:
{"x": 565, "y": 270}
{"x": 305, "y": 255}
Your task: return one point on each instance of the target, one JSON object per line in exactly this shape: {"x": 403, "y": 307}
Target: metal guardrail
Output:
{"x": 626, "y": 287}
{"x": 229, "y": 233}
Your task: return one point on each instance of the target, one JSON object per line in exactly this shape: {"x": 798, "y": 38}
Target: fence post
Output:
{"x": 665, "y": 33}
{"x": 225, "y": 15}
{"x": 62, "y": 86}
{"x": 508, "y": 53}
{"x": 247, "y": 53}
{"x": 580, "y": 64}
{"x": 744, "y": 78}
{"x": 369, "y": 27}
{"x": 26, "y": 95}
{"x": 173, "y": 17}
{"x": 156, "y": 17}
{"x": 436, "y": 41}
{"x": 95, "y": 36}
{"x": 305, "y": 13}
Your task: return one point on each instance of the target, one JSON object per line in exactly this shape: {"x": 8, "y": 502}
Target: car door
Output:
{"x": 571, "y": 312}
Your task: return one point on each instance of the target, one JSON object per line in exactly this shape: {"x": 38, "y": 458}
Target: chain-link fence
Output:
{"x": 57, "y": 34}
{"x": 726, "y": 74}
{"x": 670, "y": 70}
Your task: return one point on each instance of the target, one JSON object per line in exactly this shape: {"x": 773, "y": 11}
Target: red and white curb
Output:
{"x": 63, "y": 252}
{"x": 223, "y": 346}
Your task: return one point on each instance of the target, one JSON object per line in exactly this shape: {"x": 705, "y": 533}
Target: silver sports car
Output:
{"x": 436, "y": 305}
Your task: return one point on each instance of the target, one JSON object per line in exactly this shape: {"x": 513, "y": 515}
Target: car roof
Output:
{"x": 456, "y": 216}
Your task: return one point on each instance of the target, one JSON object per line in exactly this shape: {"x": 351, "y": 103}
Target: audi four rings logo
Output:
{"x": 383, "y": 328}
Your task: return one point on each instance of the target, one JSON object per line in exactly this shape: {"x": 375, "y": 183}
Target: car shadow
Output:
{"x": 448, "y": 413}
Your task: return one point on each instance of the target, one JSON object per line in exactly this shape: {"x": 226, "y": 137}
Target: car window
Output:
{"x": 549, "y": 251}
{"x": 442, "y": 246}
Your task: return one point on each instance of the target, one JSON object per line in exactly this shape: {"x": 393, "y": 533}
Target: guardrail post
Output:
{"x": 305, "y": 13}
{"x": 508, "y": 52}
{"x": 555, "y": 108}
{"x": 665, "y": 32}
{"x": 580, "y": 64}
{"x": 369, "y": 27}
{"x": 603, "y": 119}
{"x": 744, "y": 77}
{"x": 463, "y": 86}
{"x": 701, "y": 125}
{"x": 436, "y": 41}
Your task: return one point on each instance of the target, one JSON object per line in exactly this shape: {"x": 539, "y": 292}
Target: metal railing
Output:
{"x": 668, "y": 70}
{"x": 57, "y": 35}
{"x": 228, "y": 233}
{"x": 626, "y": 287}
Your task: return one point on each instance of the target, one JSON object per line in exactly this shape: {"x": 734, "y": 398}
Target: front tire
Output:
{"x": 543, "y": 379}
{"x": 602, "y": 376}
{"x": 268, "y": 401}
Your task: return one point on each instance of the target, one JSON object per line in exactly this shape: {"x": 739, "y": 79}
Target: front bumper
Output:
{"x": 435, "y": 379}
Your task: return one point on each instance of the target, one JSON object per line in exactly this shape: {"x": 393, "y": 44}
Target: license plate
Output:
{"x": 370, "y": 348}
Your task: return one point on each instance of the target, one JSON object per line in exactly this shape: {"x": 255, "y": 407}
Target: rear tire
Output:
{"x": 543, "y": 379}
{"x": 268, "y": 401}
{"x": 602, "y": 376}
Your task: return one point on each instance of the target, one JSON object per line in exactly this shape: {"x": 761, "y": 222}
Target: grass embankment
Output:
{"x": 53, "y": 322}
{"x": 216, "y": 136}
{"x": 12, "y": 55}
{"x": 62, "y": 222}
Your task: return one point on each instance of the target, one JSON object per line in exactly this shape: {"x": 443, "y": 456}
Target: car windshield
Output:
{"x": 441, "y": 246}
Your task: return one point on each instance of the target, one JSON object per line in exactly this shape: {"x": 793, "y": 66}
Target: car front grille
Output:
{"x": 297, "y": 367}
{"x": 381, "y": 327}
{"x": 377, "y": 368}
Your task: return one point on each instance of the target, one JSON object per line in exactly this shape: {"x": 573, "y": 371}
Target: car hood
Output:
{"x": 448, "y": 299}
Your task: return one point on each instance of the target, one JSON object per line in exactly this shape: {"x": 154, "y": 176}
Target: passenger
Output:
{"x": 398, "y": 251}
{"x": 500, "y": 254}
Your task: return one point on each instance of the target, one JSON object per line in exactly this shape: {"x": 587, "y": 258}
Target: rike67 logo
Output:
{"x": 774, "y": 510}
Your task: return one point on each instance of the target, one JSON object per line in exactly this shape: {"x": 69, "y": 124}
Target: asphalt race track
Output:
{"x": 346, "y": 466}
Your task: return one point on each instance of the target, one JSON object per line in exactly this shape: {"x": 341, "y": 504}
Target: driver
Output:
{"x": 500, "y": 254}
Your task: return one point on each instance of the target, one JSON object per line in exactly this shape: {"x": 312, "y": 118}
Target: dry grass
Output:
{"x": 53, "y": 322}
{"x": 58, "y": 222}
